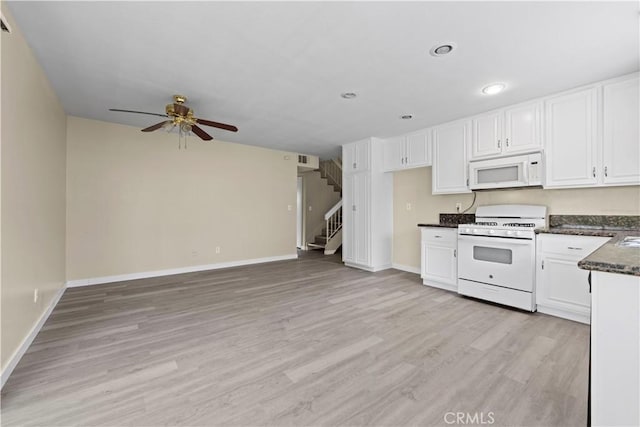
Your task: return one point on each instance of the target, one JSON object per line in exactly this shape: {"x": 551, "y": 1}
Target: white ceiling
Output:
{"x": 276, "y": 70}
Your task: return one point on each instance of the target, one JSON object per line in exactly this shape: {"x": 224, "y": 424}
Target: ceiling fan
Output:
{"x": 181, "y": 116}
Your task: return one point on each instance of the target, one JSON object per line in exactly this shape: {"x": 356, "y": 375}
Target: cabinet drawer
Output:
{"x": 441, "y": 236}
{"x": 574, "y": 246}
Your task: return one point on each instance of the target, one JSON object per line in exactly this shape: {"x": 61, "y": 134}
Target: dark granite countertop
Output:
{"x": 609, "y": 257}
{"x": 613, "y": 258}
{"x": 449, "y": 225}
{"x": 451, "y": 220}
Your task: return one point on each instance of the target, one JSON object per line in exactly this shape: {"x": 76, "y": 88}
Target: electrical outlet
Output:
{"x": 35, "y": 295}
{"x": 458, "y": 207}
{"x": 310, "y": 208}
{"x": 217, "y": 249}
{"x": 408, "y": 206}
{"x": 289, "y": 207}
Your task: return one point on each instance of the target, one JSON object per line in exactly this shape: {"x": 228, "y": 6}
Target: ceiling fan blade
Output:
{"x": 156, "y": 126}
{"x": 202, "y": 134}
{"x": 230, "y": 128}
{"x": 137, "y": 112}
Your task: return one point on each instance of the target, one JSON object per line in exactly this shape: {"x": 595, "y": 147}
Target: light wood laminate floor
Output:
{"x": 303, "y": 342}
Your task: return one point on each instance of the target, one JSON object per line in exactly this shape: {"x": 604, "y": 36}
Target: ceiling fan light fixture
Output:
{"x": 185, "y": 128}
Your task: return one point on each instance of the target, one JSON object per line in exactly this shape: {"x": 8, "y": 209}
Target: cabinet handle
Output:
{"x": 543, "y": 264}
{"x": 498, "y": 143}
{"x": 438, "y": 237}
{"x": 406, "y": 160}
{"x": 594, "y": 171}
{"x": 354, "y": 208}
{"x": 605, "y": 171}
{"x": 574, "y": 248}
{"x": 354, "y": 165}
{"x": 455, "y": 253}
{"x": 507, "y": 142}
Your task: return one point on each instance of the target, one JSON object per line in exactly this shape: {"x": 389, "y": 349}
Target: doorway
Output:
{"x": 299, "y": 216}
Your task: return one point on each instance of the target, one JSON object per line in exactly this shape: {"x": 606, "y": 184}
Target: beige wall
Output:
{"x": 135, "y": 203}
{"x": 321, "y": 197}
{"x": 33, "y": 191}
{"x": 414, "y": 187}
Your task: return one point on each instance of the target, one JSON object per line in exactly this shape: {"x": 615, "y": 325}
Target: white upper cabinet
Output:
{"x": 407, "y": 151}
{"x": 571, "y": 139}
{"x": 510, "y": 131}
{"x": 592, "y": 136}
{"x": 450, "y": 145}
{"x": 487, "y": 135}
{"x": 394, "y": 153}
{"x": 356, "y": 156}
{"x": 621, "y": 139}
{"x": 523, "y": 128}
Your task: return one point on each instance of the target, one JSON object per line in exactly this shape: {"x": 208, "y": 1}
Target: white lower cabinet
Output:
{"x": 439, "y": 267}
{"x": 562, "y": 289}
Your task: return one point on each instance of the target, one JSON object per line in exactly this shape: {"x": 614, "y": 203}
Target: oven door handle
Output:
{"x": 494, "y": 240}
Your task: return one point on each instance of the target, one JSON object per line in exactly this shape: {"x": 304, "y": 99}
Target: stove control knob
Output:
{"x": 518, "y": 233}
{"x": 467, "y": 230}
{"x": 509, "y": 232}
{"x": 476, "y": 231}
{"x": 492, "y": 231}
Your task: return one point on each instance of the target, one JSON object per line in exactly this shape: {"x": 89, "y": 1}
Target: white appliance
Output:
{"x": 506, "y": 172}
{"x": 496, "y": 254}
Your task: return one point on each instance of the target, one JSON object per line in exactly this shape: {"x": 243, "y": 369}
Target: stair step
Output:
{"x": 315, "y": 246}
{"x": 321, "y": 240}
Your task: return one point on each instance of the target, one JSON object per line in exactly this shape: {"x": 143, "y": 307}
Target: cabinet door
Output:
{"x": 362, "y": 155}
{"x": 355, "y": 156}
{"x": 349, "y": 158}
{"x": 417, "y": 150}
{"x": 522, "y": 126}
{"x": 450, "y": 144}
{"x": 361, "y": 219}
{"x": 621, "y": 144}
{"x": 564, "y": 285}
{"x": 394, "y": 153}
{"x": 571, "y": 139}
{"x": 439, "y": 263}
{"x": 348, "y": 204}
{"x": 486, "y": 140}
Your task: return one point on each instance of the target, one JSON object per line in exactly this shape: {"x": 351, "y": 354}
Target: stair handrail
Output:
{"x": 333, "y": 210}
{"x": 333, "y": 218}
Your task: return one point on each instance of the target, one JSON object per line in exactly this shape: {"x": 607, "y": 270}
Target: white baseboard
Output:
{"x": 444, "y": 286}
{"x": 26, "y": 342}
{"x": 406, "y": 268}
{"x": 171, "y": 271}
{"x": 368, "y": 268}
{"x": 565, "y": 314}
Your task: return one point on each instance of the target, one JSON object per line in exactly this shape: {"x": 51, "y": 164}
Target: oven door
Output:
{"x": 500, "y": 261}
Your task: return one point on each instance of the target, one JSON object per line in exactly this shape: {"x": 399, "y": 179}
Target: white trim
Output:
{"x": 406, "y": 268}
{"x": 564, "y": 314}
{"x": 26, "y": 342}
{"x": 368, "y": 268}
{"x": 445, "y": 286}
{"x": 171, "y": 271}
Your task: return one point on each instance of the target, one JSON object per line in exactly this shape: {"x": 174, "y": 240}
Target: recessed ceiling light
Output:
{"x": 348, "y": 95}
{"x": 406, "y": 117}
{"x": 493, "y": 88}
{"x": 442, "y": 49}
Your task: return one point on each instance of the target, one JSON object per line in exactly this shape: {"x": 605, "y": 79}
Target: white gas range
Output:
{"x": 496, "y": 254}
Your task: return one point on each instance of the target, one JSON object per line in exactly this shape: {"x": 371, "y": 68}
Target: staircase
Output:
{"x": 330, "y": 238}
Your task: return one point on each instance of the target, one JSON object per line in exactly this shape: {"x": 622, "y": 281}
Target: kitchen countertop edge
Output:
{"x": 609, "y": 257}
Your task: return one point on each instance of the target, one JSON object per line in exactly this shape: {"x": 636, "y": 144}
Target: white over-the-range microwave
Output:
{"x": 506, "y": 172}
